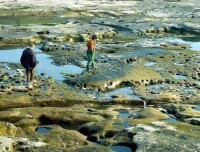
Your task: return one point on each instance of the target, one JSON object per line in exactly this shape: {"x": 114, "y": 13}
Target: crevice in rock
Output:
{"x": 46, "y": 120}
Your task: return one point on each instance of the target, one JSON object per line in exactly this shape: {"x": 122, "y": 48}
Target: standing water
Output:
{"x": 126, "y": 91}
{"x": 121, "y": 149}
{"x": 197, "y": 108}
{"x": 193, "y": 42}
{"x": 42, "y": 130}
{"x": 45, "y": 63}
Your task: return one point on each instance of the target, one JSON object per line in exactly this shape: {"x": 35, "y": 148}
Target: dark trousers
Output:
{"x": 90, "y": 56}
{"x": 29, "y": 74}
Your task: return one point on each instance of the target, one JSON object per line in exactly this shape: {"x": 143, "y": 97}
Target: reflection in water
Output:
{"x": 127, "y": 91}
{"x": 45, "y": 66}
{"x": 45, "y": 63}
{"x": 124, "y": 114}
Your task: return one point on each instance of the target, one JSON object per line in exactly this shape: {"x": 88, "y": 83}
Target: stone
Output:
{"x": 7, "y": 129}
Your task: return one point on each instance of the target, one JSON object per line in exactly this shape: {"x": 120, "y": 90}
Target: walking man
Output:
{"x": 91, "y": 51}
{"x": 28, "y": 61}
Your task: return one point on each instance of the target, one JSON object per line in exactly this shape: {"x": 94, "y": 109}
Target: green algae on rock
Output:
{"x": 137, "y": 48}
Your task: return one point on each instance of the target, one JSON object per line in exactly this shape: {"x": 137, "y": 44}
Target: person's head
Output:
{"x": 94, "y": 37}
{"x": 31, "y": 45}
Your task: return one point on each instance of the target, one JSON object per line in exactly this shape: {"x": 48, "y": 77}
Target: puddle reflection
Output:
{"x": 126, "y": 91}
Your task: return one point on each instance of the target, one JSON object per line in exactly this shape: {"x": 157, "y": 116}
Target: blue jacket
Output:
{"x": 28, "y": 59}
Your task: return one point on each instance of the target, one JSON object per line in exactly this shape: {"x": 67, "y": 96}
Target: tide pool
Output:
{"x": 45, "y": 63}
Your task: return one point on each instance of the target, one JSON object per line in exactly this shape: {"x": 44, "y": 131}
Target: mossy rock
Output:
{"x": 151, "y": 113}
{"x": 7, "y": 129}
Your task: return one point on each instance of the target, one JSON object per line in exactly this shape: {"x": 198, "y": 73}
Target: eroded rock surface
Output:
{"x": 147, "y": 59}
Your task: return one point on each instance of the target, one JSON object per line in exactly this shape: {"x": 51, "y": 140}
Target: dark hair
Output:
{"x": 94, "y": 37}
{"x": 31, "y": 45}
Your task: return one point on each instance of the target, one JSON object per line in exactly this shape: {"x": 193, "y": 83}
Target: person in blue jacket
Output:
{"x": 28, "y": 61}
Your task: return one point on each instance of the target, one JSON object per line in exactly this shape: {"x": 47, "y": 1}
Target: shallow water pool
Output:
{"x": 197, "y": 108}
{"x": 128, "y": 91}
{"x": 193, "y": 42}
{"x": 121, "y": 149}
{"x": 45, "y": 64}
{"x": 124, "y": 114}
{"x": 182, "y": 77}
{"x": 42, "y": 130}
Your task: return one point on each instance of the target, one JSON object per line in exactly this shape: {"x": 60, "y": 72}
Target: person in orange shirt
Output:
{"x": 91, "y": 51}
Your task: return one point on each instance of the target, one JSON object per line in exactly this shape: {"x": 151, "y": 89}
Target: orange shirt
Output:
{"x": 91, "y": 45}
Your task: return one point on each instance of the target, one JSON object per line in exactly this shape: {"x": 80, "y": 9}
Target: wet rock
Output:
{"x": 184, "y": 113}
{"x": 26, "y": 122}
{"x": 34, "y": 34}
{"x": 50, "y": 46}
{"x": 144, "y": 139}
{"x": 151, "y": 113}
{"x": 17, "y": 143}
{"x": 193, "y": 121}
{"x": 101, "y": 78}
{"x": 106, "y": 133}
{"x": 31, "y": 116}
{"x": 19, "y": 89}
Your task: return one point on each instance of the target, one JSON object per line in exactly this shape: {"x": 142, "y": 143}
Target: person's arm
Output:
{"x": 22, "y": 59}
{"x": 33, "y": 59}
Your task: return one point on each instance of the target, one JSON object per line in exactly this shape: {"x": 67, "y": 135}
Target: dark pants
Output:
{"x": 29, "y": 74}
{"x": 90, "y": 56}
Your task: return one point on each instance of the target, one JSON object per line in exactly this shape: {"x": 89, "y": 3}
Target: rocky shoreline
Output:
{"x": 142, "y": 96}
